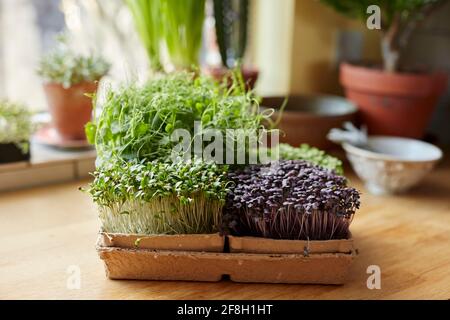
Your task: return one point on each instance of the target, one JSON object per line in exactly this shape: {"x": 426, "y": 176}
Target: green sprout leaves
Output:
{"x": 160, "y": 197}
{"x": 137, "y": 122}
{"x": 15, "y": 124}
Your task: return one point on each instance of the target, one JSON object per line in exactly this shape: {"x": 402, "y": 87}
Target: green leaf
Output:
{"x": 90, "y": 130}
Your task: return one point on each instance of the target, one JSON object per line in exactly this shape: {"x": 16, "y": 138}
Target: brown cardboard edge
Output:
{"x": 183, "y": 242}
{"x": 279, "y": 246}
{"x": 144, "y": 264}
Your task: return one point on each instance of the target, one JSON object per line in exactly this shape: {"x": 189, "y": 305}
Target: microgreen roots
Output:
{"x": 158, "y": 197}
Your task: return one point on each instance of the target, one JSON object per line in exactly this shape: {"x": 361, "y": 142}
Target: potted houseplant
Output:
{"x": 69, "y": 77}
{"x": 175, "y": 25}
{"x": 392, "y": 100}
{"x": 231, "y": 25}
{"x": 15, "y": 132}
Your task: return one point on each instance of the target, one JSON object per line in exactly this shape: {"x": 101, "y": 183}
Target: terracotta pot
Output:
{"x": 308, "y": 119}
{"x": 249, "y": 74}
{"x": 70, "y": 108}
{"x": 393, "y": 103}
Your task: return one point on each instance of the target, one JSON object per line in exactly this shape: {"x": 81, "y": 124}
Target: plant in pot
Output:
{"x": 392, "y": 100}
{"x": 15, "y": 132}
{"x": 174, "y": 25}
{"x": 69, "y": 79}
{"x": 231, "y": 25}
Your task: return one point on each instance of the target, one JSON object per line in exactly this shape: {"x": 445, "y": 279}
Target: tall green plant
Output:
{"x": 183, "y": 25}
{"x": 399, "y": 18}
{"x": 231, "y": 18}
{"x": 148, "y": 21}
{"x": 177, "y": 24}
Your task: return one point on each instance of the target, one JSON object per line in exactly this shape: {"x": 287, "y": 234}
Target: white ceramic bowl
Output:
{"x": 393, "y": 164}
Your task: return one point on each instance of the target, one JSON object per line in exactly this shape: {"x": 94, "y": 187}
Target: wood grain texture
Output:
{"x": 44, "y": 231}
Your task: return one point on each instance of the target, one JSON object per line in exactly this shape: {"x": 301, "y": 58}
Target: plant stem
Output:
{"x": 389, "y": 46}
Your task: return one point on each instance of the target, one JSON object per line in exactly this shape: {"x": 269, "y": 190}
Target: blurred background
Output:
{"x": 297, "y": 45}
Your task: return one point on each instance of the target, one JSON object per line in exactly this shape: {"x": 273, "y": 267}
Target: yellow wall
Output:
{"x": 314, "y": 47}
{"x": 270, "y": 44}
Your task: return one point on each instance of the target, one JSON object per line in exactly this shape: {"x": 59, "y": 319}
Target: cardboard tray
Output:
{"x": 151, "y": 264}
{"x": 182, "y": 242}
{"x": 264, "y": 245}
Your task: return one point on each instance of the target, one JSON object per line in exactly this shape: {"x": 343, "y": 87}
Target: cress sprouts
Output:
{"x": 157, "y": 197}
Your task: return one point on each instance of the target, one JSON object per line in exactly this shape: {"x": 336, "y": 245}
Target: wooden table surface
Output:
{"x": 44, "y": 232}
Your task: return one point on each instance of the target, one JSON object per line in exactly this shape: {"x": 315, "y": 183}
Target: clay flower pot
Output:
{"x": 397, "y": 104}
{"x": 70, "y": 108}
{"x": 250, "y": 75}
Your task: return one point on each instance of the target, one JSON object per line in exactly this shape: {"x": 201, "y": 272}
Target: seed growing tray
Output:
{"x": 153, "y": 264}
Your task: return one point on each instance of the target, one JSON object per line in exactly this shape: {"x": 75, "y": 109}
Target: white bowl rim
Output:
{"x": 381, "y": 156}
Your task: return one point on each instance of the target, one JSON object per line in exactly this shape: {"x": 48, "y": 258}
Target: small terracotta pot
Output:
{"x": 250, "y": 75}
{"x": 395, "y": 104}
{"x": 70, "y": 108}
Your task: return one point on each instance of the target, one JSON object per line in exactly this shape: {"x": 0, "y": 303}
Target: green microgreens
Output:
{"x": 15, "y": 124}
{"x": 310, "y": 154}
{"x": 137, "y": 122}
{"x": 156, "y": 197}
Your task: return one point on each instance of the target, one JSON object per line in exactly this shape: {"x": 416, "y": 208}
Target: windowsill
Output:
{"x": 47, "y": 165}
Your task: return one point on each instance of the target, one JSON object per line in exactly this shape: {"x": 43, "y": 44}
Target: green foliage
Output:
{"x": 183, "y": 26}
{"x": 137, "y": 122}
{"x": 179, "y": 24}
{"x": 148, "y": 22}
{"x": 312, "y": 155}
{"x": 15, "y": 124}
{"x": 231, "y": 18}
{"x": 135, "y": 186}
{"x": 159, "y": 197}
{"x": 389, "y": 8}
{"x": 64, "y": 66}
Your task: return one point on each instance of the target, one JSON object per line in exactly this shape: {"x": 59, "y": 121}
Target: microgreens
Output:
{"x": 312, "y": 155}
{"x": 137, "y": 122}
{"x": 289, "y": 199}
{"x": 15, "y": 124}
{"x": 159, "y": 197}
